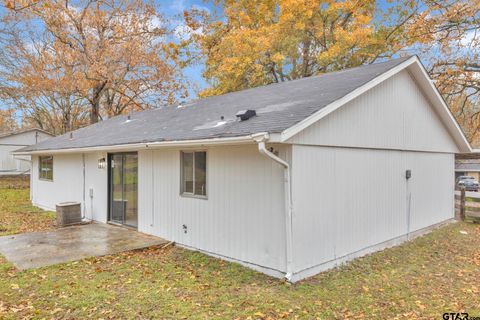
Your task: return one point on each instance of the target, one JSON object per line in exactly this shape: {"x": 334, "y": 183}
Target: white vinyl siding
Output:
{"x": 244, "y": 217}
{"x": 393, "y": 115}
{"x": 66, "y": 186}
{"x": 348, "y": 200}
{"x": 349, "y": 190}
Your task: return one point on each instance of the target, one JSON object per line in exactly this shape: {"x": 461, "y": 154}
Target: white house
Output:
{"x": 326, "y": 169}
{"x": 9, "y": 142}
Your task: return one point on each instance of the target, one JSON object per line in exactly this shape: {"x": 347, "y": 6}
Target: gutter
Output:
{"x": 261, "y": 139}
{"x": 136, "y": 146}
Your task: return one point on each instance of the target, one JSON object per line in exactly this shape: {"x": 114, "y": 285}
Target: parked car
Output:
{"x": 470, "y": 183}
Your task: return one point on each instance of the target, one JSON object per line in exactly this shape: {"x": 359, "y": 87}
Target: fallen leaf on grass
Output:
{"x": 420, "y": 305}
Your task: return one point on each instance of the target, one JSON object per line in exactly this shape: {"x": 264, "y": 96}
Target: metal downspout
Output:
{"x": 84, "y": 187}
{"x": 288, "y": 202}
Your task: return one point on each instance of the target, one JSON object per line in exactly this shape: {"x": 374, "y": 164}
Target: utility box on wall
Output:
{"x": 68, "y": 213}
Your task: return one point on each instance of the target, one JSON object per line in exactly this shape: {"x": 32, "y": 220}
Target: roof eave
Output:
{"x": 247, "y": 139}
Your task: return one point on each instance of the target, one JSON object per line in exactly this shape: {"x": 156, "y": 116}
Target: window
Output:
{"x": 45, "y": 168}
{"x": 194, "y": 173}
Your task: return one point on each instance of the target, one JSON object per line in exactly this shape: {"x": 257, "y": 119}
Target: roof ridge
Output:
{"x": 397, "y": 60}
{"x": 14, "y": 133}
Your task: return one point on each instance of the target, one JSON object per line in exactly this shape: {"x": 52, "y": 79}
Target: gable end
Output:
{"x": 399, "y": 110}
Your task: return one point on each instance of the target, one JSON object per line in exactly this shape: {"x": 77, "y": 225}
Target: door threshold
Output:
{"x": 122, "y": 225}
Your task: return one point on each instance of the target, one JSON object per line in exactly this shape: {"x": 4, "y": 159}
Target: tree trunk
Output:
{"x": 67, "y": 121}
{"x": 95, "y": 108}
{"x": 306, "y": 58}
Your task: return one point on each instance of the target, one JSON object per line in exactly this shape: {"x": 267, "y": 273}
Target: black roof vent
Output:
{"x": 246, "y": 114}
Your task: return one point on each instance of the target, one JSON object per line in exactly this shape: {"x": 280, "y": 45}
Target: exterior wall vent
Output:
{"x": 245, "y": 114}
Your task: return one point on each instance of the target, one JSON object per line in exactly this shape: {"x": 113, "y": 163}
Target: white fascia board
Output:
{"x": 250, "y": 139}
{"x": 419, "y": 72}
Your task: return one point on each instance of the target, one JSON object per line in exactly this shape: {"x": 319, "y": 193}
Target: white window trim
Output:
{"x": 40, "y": 168}
{"x": 182, "y": 186}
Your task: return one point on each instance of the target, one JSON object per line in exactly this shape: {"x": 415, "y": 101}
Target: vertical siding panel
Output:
{"x": 431, "y": 186}
{"x": 67, "y": 184}
{"x": 96, "y": 179}
{"x": 345, "y": 200}
{"x": 34, "y": 180}
{"x": 145, "y": 190}
{"x": 350, "y": 191}
{"x": 243, "y": 217}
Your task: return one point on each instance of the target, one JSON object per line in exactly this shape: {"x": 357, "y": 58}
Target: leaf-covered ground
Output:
{"x": 17, "y": 215}
{"x": 424, "y": 278}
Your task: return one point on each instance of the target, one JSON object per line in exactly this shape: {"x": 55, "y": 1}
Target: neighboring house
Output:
{"x": 9, "y": 142}
{"x": 330, "y": 168}
{"x": 468, "y": 164}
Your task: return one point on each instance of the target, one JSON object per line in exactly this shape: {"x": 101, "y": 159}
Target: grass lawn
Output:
{"x": 17, "y": 215}
{"x": 422, "y": 279}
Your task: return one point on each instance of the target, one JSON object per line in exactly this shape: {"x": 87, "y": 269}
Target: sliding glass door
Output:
{"x": 123, "y": 194}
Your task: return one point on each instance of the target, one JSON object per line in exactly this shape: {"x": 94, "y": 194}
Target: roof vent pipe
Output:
{"x": 245, "y": 114}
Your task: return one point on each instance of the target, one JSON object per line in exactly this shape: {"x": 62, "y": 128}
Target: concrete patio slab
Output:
{"x": 39, "y": 249}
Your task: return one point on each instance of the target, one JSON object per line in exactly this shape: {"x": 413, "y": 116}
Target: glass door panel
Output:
{"x": 124, "y": 189}
{"x": 117, "y": 206}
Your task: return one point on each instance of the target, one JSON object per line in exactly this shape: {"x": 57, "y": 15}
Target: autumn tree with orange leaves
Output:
{"x": 261, "y": 42}
{"x": 7, "y": 121}
{"x": 448, "y": 35}
{"x": 91, "y": 59}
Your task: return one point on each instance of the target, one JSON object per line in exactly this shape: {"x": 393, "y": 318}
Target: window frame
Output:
{"x": 183, "y": 193}
{"x": 40, "y": 168}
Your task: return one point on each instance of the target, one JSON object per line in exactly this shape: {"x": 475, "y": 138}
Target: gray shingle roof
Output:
{"x": 278, "y": 107}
